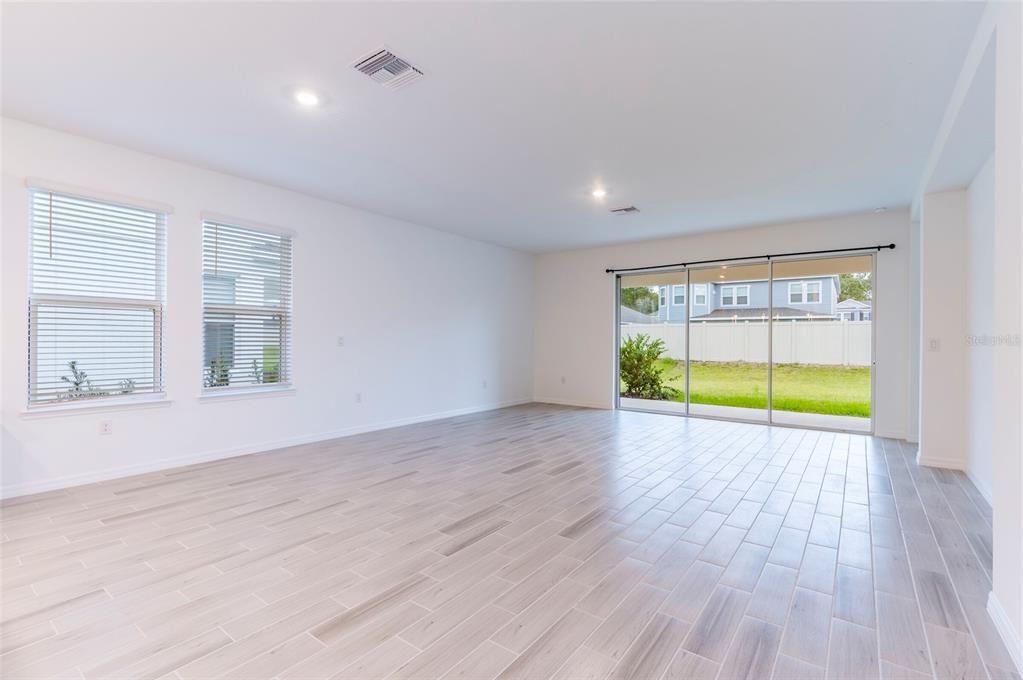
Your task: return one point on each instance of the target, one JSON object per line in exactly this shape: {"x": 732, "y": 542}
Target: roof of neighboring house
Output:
{"x": 854, "y": 304}
{"x": 630, "y": 315}
{"x": 761, "y": 312}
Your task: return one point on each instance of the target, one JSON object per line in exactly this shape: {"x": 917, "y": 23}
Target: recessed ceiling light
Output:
{"x": 599, "y": 193}
{"x": 307, "y": 98}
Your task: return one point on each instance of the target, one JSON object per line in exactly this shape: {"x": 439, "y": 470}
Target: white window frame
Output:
{"x": 809, "y": 286}
{"x": 675, "y": 290}
{"x": 734, "y": 294}
{"x": 796, "y": 292}
{"x": 803, "y": 289}
{"x": 699, "y": 295}
{"x": 662, "y": 296}
{"x": 285, "y": 384}
{"x": 155, "y": 305}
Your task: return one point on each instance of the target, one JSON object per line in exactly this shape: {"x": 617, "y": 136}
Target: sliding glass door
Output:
{"x": 822, "y": 337}
{"x": 652, "y": 341}
{"x": 728, "y": 331}
{"x": 787, "y": 341}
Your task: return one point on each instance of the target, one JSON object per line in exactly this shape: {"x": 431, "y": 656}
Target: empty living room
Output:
{"x": 511, "y": 340}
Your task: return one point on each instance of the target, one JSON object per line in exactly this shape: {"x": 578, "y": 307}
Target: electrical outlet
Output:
{"x": 106, "y": 427}
{"x": 358, "y": 397}
{"x": 340, "y": 341}
{"x": 934, "y": 345}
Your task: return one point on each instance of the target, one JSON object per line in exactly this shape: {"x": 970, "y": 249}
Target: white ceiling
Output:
{"x": 705, "y": 116}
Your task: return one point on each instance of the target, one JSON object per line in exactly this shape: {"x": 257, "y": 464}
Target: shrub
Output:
{"x": 271, "y": 364}
{"x": 218, "y": 373}
{"x": 637, "y": 364}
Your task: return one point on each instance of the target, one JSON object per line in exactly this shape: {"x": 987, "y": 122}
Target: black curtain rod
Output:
{"x": 890, "y": 246}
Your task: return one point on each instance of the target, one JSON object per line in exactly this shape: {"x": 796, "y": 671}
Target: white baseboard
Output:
{"x": 946, "y": 463}
{"x": 1010, "y": 636}
{"x": 107, "y": 474}
{"x": 892, "y": 434}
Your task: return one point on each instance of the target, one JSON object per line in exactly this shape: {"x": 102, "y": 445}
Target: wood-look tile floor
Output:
{"x": 532, "y": 542}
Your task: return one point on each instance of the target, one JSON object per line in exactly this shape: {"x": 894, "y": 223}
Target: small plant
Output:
{"x": 257, "y": 372}
{"x": 218, "y": 373}
{"x": 81, "y": 386}
{"x": 637, "y": 364}
{"x": 127, "y": 386}
{"x": 79, "y": 381}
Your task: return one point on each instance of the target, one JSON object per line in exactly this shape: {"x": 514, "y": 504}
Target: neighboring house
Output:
{"x": 806, "y": 298}
{"x": 853, "y": 310}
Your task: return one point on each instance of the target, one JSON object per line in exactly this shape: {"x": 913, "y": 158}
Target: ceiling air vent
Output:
{"x": 388, "y": 69}
{"x": 623, "y": 211}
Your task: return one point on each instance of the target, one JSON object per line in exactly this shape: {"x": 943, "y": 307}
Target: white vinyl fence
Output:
{"x": 838, "y": 343}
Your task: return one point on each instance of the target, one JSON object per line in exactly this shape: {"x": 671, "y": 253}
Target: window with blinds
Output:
{"x": 246, "y": 293}
{"x": 96, "y": 295}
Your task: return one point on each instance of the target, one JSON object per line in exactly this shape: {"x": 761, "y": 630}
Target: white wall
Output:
{"x": 913, "y": 351}
{"x": 1006, "y": 603}
{"x": 943, "y": 330}
{"x": 980, "y": 320}
{"x": 999, "y": 27}
{"x": 574, "y": 325}
{"x": 465, "y": 312}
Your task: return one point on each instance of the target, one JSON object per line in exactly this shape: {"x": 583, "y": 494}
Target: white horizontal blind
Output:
{"x": 246, "y": 307}
{"x": 96, "y": 297}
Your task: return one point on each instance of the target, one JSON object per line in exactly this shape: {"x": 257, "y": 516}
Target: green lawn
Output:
{"x": 831, "y": 390}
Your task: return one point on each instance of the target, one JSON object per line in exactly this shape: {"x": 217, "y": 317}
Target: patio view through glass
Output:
{"x": 788, "y": 341}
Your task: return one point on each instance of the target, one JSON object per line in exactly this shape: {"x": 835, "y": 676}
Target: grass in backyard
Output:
{"x": 830, "y": 390}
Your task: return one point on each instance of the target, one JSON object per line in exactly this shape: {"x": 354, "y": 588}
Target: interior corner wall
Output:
{"x": 434, "y": 324}
{"x": 913, "y": 342}
{"x": 1006, "y": 603}
{"x": 980, "y": 322}
{"x": 575, "y": 315}
{"x": 1000, "y": 26}
{"x": 943, "y": 241}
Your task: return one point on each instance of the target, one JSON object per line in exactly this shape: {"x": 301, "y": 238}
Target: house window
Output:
{"x": 735, "y": 296}
{"x": 813, "y": 292}
{"x": 96, "y": 295}
{"x": 663, "y": 296}
{"x": 678, "y": 295}
{"x": 795, "y": 292}
{"x": 808, "y": 292}
{"x": 246, "y": 307}
{"x": 700, "y": 294}
{"x": 865, "y": 315}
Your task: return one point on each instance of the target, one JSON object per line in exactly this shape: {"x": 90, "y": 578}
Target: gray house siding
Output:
{"x": 671, "y": 312}
{"x": 829, "y": 294}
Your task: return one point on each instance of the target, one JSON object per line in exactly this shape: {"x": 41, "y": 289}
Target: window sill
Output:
{"x": 247, "y": 393}
{"x": 100, "y": 405}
